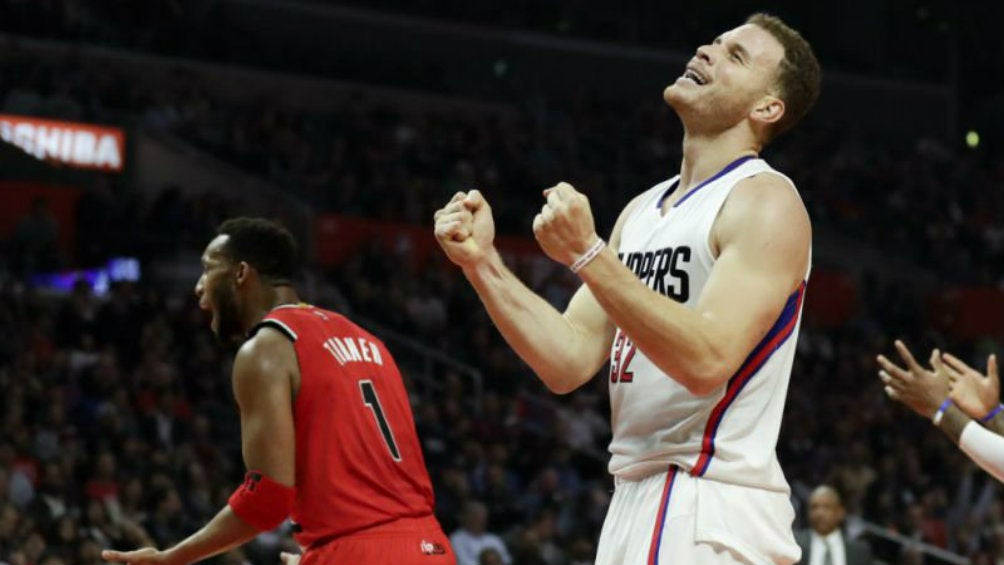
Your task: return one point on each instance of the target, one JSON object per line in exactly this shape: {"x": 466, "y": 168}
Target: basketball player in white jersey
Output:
{"x": 696, "y": 301}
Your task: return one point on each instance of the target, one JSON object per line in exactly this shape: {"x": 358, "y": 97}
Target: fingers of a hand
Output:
{"x": 907, "y": 357}
{"x": 460, "y": 232}
{"x": 474, "y": 200}
{"x": 579, "y": 201}
{"x": 460, "y": 215}
{"x": 890, "y": 381}
{"x": 554, "y": 199}
{"x": 455, "y": 207}
{"x": 118, "y": 556}
{"x": 939, "y": 366}
{"x": 957, "y": 364}
{"x": 884, "y": 376}
{"x": 451, "y": 208}
{"x": 893, "y": 369}
{"x": 992, "y": 369}
{"x": 455, "y": 203}
{"x": 289, "y": 558}
{"x": 452, "y": 230}
{"x": 891, "y": 393}
{"x": 547, "y": 213}
{"x": 955, "y": 375}
{"x": 565, "y": 190}
{"x": 538, "y": 223}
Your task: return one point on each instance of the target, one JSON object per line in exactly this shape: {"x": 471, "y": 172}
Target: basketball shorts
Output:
{"x": 675, "y": 519}
{"x": 405, "y": 542}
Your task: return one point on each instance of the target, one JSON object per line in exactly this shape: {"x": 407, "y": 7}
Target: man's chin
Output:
{"x": 673, "y": 96}
{"x": 668, "y": 93}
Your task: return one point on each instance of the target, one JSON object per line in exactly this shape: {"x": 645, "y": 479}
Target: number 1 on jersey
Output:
{"x": 372, "y": 402}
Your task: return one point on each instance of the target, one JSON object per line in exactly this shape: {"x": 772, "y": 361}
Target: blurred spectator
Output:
{"x": 472, "y": 538}
{"x": 544, "y": 528}
{"x": 76, "y": 319}
{"x": 490, "y": 556}
{"x": 581, "y": 552}
{"x": 824, "y": 543}
{"x": 51, "y": 502}
{"x": 166, "y": 522}
{"x": 582, "y": 425}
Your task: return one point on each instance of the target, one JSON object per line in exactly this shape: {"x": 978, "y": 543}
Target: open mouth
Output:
{"x": 695, "y": 76}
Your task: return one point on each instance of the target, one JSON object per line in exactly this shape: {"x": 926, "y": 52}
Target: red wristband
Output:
{"x": 262, "y": 502}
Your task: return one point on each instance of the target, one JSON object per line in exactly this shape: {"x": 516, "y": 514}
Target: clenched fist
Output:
{"x": 465, "y": 228}
{"x": 564, "y": 228}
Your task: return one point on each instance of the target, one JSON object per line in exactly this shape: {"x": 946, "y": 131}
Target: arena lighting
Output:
{"x": 100, "y": 278}
{"x": 972, "y": 139}
{"x": 73, "y": 144}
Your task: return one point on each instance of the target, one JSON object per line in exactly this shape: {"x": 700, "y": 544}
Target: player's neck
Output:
{"x": 283, "y": 294}
{"x": 271, "y": 297}
{"x": 706, "y": 154}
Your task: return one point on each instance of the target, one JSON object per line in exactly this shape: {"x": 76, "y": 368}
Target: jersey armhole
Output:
{"x": 276, "y": 324}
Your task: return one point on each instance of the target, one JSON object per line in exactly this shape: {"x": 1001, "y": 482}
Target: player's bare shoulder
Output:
{"x": 264, "y": 356}
{"x": 766, "y": 205}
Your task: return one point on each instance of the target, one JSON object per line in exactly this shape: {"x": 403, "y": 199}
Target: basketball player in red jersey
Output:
{"x": 326, "y": 427}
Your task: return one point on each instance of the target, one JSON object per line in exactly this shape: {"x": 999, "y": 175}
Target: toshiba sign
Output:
{"x": 77, "y": 145}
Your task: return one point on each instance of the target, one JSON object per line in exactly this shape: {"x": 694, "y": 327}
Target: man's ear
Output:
{"x": 769, "y": 110}
{"x": 242, "y": 272}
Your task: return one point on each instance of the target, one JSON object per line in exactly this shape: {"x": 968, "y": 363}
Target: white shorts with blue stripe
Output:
{"x": 675, "y": 519}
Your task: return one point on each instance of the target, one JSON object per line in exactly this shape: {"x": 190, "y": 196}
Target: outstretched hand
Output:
{"x": 973, "y": 393}
{"x": 921, "y": 389}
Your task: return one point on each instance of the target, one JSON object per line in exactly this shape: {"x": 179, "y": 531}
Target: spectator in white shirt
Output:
{"x": 472, "y": 537}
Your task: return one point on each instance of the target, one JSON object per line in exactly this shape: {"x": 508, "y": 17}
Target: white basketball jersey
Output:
{"x": 731, "y": 434}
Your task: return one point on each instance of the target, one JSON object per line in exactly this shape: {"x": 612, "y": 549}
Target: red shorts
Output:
{"x": 408, "y": 541}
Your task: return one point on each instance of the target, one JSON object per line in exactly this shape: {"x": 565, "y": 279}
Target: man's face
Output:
{"x": 217, "y": 291}
{"x": 477, "y": 519}
{"x": 727, "y": 79}
{"x": 826, "y": 513}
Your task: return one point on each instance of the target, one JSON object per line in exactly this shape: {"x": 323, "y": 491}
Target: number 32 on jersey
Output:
{"x": 620, "y": 361}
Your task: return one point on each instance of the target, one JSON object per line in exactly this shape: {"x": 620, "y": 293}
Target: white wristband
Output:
{"x": 941, "y": 411}
{"x": 588, "y": 256}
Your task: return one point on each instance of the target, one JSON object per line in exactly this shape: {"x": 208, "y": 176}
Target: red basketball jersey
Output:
{"x": 358, "y": 459}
